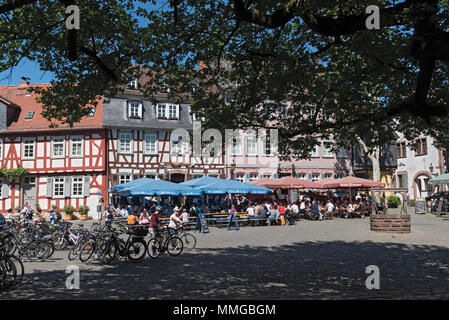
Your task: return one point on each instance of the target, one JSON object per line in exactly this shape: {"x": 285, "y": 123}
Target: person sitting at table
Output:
{"x": 273, "y": 213}
{"x": 349, "y": 210}
{"x": 314, "y": 211}
{"x": 144, "y": 219}
{"x": 132, "y": 219}
{"x": 252, "y": 215}
{"x": 329, "y": 208}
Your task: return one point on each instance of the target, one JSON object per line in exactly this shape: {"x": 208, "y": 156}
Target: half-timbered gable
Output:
{"x": 139, "y": 140}
{"x": 65, "y": 165}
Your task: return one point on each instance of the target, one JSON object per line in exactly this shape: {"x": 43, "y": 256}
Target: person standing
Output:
{"x": 282, "y": 214}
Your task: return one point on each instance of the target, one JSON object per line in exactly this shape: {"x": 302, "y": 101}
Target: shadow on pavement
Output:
{"x": 309, "y": 270}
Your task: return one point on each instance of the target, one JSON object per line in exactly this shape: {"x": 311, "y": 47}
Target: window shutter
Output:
{"x": 275, "y": 175}
{"x": 347, "y": 173}
{"x": 86, "y": 189}
{"x": 140, "y": 110}
{"x": 5, "y": 189}
{"x": 310, "y": 176}
{"x": 49, "y": 187}
{"x": 322, "y": 175}
{"x": 335, "y": 175}
{"x": 260, "y": 175}
{"x": 131, "y": 148}
{"x": 246, "y": 177}
{"x": 67, "y": 187}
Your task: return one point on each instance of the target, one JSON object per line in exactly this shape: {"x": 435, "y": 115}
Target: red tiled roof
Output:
{"x": 18, "y": 96}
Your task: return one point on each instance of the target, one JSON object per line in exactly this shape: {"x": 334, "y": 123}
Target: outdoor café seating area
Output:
{"x": 265, "y": 202}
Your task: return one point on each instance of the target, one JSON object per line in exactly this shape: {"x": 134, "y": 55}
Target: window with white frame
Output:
{"x": 58, "y": 147}
{"x": 170, "y": 111}
{"x": 76, "y": 146}
{"x": 150, "y": 143}
{"x": 150, "y": 176}
{"x": 266, "y": 175}
{"x": 266, "y": 145}
{"x": 1, "y": 149}
{"x": 315, "y": 176}
{"x": 197, "y": 176}
{"x": 213, "y": 175}
{"x": 134, "y": 109}
{"x": 236, "y": 146}
{"x": 253, "y": 176}
{"x": 302, "y": 175}
{"x": 173, "y": 111}
{"x": 240, "y": 177}
{"x": 328, "y": 175}
{"x": 58, "y": 187}
{"x": 327, "y": 149}
{"x": 124, "y": 177}
{"x": 124, "y": 142}
{"x": 28, "y": 148}
{"x": 314, "y": 152}
{"x": 161, "y": 111}
{"x": 251, "y": 146}
{"x": 133, "y": 84}
{"x": 91, "y": 112}
{"x": 77, "y": 186}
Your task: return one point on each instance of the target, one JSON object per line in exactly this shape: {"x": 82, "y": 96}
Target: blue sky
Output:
{"x": 27, "y": 68}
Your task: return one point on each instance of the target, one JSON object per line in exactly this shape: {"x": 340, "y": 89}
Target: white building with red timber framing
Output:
{"x": 65, "y": 165}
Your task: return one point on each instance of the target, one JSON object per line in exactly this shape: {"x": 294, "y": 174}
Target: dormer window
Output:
{"x": 163, "y": 86}
{"x": 29, "y": 115}
{"x": 91, "y": 112}
{"x": 168, "y": 111}
{"x": 134, "y": 85}
{"x": 134, "y": 109}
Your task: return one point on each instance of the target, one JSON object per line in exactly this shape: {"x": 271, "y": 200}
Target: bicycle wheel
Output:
{"x": 42, "y": 250}
{"x": 188, "y": 240}
{"x": 174, "y": 246}
{"x": 2, "y": 276}
{"x": 87, "y": 251}
{"x": 10, "y": 273}
{"x": 60, "y": 242}
{"x": 75, "y": 251}
{"x": 154, "y": 248}
{"x": 19, "y": 267}
{"x": 137, "y": 250}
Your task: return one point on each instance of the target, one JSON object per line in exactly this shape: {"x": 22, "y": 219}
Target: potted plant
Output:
{"x": 83, "y": 211}
{"x": 68, "y": 210}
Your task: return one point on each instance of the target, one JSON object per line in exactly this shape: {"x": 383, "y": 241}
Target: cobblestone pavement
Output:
{"x": 310, "y": 260}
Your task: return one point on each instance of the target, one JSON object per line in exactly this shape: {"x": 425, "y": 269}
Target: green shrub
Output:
{"x": 411, "y": 203}
{"x": 83, "y": 210}
{"x": 69, "y": 210}
{"x": 393, "y": 201}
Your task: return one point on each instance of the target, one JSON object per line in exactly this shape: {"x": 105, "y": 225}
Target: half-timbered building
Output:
{"x": 65, "y": 165}
{"x": 139, "y": 139}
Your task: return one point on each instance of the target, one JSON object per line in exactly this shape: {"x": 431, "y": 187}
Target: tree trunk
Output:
{"x": 374, "y": 157}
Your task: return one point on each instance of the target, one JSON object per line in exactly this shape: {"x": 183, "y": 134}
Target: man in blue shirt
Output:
{"x": 314, "y": 211}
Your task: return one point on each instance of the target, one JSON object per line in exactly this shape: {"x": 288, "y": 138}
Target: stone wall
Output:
{"x": 390, "y": 223}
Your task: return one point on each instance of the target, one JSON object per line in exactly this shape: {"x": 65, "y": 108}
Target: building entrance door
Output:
{"x": 29, "y": 191}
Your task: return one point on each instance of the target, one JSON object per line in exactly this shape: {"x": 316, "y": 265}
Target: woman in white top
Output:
{"x": 250, "y": 210}
{"x": 185, "y": 216}
{"x": 174, "y": 222}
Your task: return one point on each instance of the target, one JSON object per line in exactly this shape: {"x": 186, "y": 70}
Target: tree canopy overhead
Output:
{"x": 339, "y": 78}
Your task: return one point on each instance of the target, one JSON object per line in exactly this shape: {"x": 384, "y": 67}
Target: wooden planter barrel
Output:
{"x": 390, "y": 223}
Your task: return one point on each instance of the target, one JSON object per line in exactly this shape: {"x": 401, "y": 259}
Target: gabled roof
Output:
{"x": 17, "y": 96}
